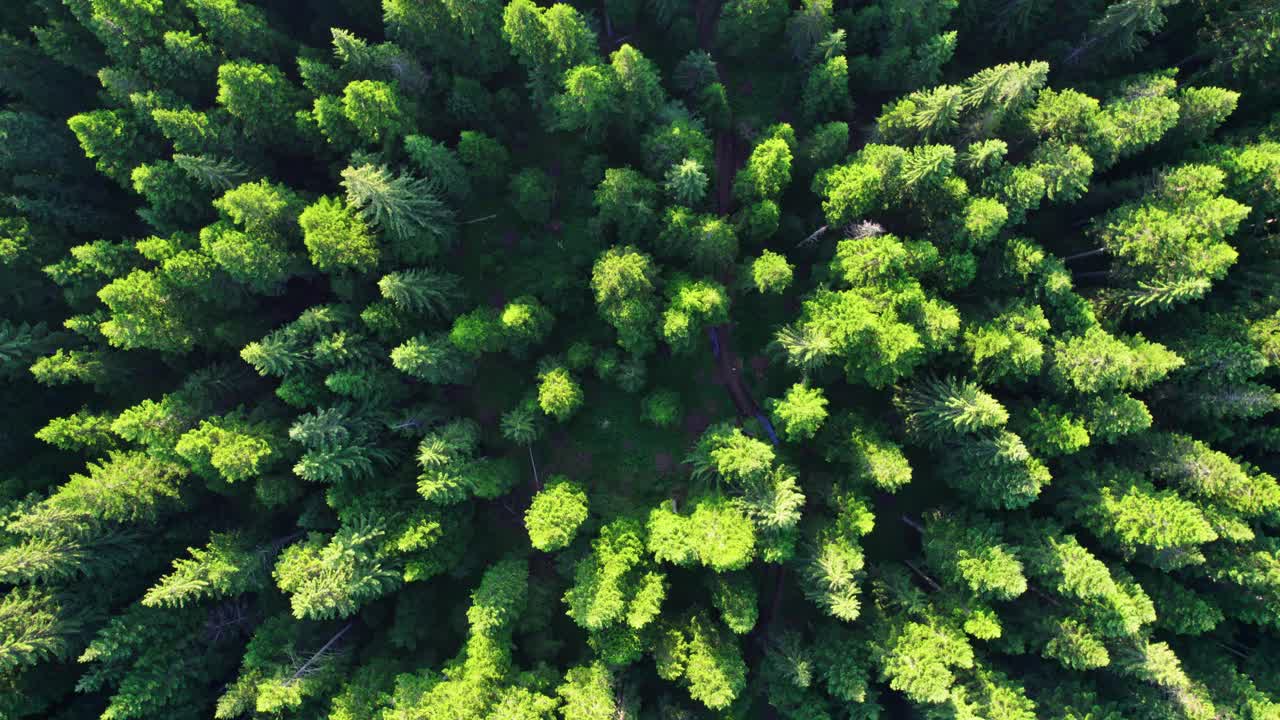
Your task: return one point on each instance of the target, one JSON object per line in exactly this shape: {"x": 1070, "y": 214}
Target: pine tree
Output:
{"x": 623, "y": 282}
{"x": 337, "y": 237}
{"x": 227, "y": 567}
{"x": 968, "y": 552}
{"x": 403, "y": 206}
{"x": 214, "y": 173}
{"x": 555, "y": 514}
{"x": 558, "y": 394}
{"x": 333, "y": 579}
{"x": 420, "y": 289}
{"x": 800, "y": 412}
{"x": 937, "y": 409}
{"x": 686, "y": 183}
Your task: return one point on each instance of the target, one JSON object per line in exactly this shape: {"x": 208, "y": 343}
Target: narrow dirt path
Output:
{"x": 730, "y": 156}
{"x": 728, "y": 160}
{"x": 730, "y": 366}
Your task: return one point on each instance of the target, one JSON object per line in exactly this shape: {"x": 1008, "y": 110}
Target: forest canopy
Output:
{"x": 640, "y": 359}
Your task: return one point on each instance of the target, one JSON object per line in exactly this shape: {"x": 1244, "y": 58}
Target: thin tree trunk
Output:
{"x": 932, "y": 583}
{"x": 479, "y": 219}
{"x": 1231, "y": 650}
{"x": 913, "y": 524}
{"x": 319, "y": 653}
{"x": 813, "y": 237}
{"x": 1087, "y": 253}
{"x": 537, "y": 484}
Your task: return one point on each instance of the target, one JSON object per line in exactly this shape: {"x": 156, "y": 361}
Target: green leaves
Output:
{"x": 875, "y": 459}
{"x": 20, "y": 344}
{"x": 920, "y": 658}
{"x": 452, "y": 471}
{"x": 623, "y": 282}
{"x": 714, "y": 671}
{"x": 609, "y": 580}
{"x": 1098, "y": 362}
{"x": 706, "y": 659}
{"x": 735, "y": 596}
{"x": 555, "y": 514}
{"x": 686, "y": 183}
{"x": 1170, "y": 248}
{"x": 1005, "y": 88}
{"x": 32, "y": 629}
{"x": 716, "y": 534}
{"x": 478, "y": 332}
{"x": 228, "y": 448}
{"x": 498, "y": 601}
{"x": 333, "y": 578}
{"x": 337, "y": 446}
{"x": 1138, "y": 518}
{"x": 558, "y": 393}
{"x": 768, "y": 169}
{"x": 226, "y": 567}
{"x": 998, "y": 470}
{"x": 337, "y": 238}
{"x": 747, "y": 25}
{"x": 375, "y": 110}
{"x": 214, "y": 173}
{"x": 435, "y": 359}
{"x": 260, "y": 96}
{"x": 849, "y": 191}
{"x": 588, "y": 693}
{"x": 771, "y": 273}
{"x": 124, "y": 487}
{"x": 968, "y": 551}
{"x": 589, "y": 98}
{"x": 693, "y": 305}
{"x": 728, "y": 453}
{"x": 833, "y": 576}
{"x": 112, "y": 141}
{"x": 927, "y": 165}
{"x": 800, "y": 413}
{"x": 1200, "y": 471}
{"x": 624, "y": 93}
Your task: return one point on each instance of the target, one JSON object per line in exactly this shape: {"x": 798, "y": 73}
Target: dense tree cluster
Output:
{"x": 497, "y": 360}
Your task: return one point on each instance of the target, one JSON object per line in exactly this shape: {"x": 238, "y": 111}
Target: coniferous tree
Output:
{"x": 505, "y": 359}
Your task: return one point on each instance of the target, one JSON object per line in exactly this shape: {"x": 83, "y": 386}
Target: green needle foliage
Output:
{"x": 399, "y": 205}
{"x": 639, "y": 359}
{"x": 555, "y": 514}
